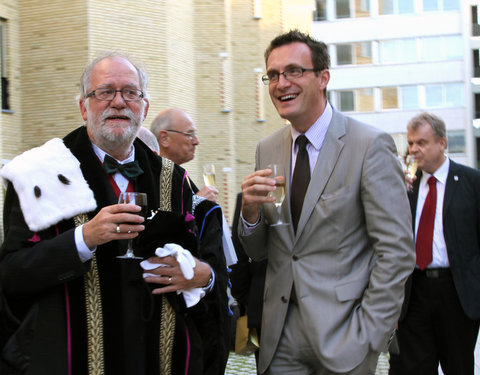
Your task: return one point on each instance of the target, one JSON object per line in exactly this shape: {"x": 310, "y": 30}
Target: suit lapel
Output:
{"x": 327, "y": 158}
{"x": 450, "y": 186}
{"x": 413, "y": 196}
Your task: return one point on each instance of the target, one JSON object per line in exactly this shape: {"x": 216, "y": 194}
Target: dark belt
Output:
{"x": 434, "y": 273}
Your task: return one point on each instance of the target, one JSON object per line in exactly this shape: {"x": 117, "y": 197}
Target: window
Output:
{"x": 441, "y": 47}
{"x": 454, "y": 96}
{"x": 444, "y": 95}
{"x": 456, "y": 141}
{"x": 475, "y": 21}
{"x": 320, "y": 13}
{"x": 359, "y": 100}
{"x": 430, "y": 48}
{"x": 439, "y": 5}
{"x": 476, "y": 114}
{"x": 360, "y": 8}
{"x": 476, "y": 63}
{"x": 342, "y": 9}
{"x": 398, "y": 51}
{"x": 433, "y": 96}
{"x": 396, "y": 6}
{"x": 354, "y": 54}
{"x": 346, "y": 101}
{"x": 344, "y": 54}
{"x": 389, "y": 98}
{"x": 409, "y": 95}
{"x": 403, "y": 97}
{"x": 3, "y": 65}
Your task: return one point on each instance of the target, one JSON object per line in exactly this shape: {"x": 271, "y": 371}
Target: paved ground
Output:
{"x": 242, "y": 365}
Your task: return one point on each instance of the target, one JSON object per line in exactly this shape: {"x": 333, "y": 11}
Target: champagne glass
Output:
{"x": 209, "y": 174}
{"x": 140, "y": 199}
{"x": 411, "y": 166}
{"x": 278, "y": 173}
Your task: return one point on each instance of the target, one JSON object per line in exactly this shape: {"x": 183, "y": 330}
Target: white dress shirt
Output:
{"x": 439, "y": 248}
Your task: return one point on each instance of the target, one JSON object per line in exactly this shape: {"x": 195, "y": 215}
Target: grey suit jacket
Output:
{"x": 352, "y": 252}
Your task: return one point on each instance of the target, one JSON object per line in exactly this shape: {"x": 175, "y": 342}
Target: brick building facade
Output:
{"x": 204, "y": 56}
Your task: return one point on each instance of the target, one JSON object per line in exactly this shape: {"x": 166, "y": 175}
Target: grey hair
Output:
{"x": 435, "y": 122}
{"x": 163, "y": 121}
{"x": 149, "y": 139}
{"x": 85, "y": 78}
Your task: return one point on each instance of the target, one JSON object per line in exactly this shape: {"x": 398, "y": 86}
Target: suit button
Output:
{"x": 284, "y": 299}
{"x": 295, "y": 258}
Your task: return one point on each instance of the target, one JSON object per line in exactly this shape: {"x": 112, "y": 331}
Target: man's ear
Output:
{"x": 147, "y": 105}
{"x": 324, "y": 78}
{"x": 83, "y": 110}
{"x": 163, "y": 138}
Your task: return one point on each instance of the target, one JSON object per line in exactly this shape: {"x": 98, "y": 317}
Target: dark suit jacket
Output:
{"x": 247, "y": 277}
{"x": 461, "y": 229}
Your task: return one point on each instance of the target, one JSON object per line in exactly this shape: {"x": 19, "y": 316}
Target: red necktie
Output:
{"x": 425, "y": 227}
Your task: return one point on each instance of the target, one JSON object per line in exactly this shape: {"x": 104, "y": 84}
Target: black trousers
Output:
{"x": 435, "y": 330}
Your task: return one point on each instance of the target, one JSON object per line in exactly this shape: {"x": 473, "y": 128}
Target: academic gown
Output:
{"x": 44, "y": 285}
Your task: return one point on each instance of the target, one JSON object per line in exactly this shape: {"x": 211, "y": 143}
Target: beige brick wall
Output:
{"x": 201, "y": 56}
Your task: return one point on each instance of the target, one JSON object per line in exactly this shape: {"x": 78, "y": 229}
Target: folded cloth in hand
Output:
{"x": 187, "y": 264}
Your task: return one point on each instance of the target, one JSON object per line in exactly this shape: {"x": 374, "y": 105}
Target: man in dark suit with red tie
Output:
{"x": 440, "y": 318}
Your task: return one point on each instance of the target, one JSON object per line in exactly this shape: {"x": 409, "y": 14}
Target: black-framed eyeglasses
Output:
{"x": 108, "y": 94}
{"x": 290, "y": 73}
{"x": 190, "y": 135}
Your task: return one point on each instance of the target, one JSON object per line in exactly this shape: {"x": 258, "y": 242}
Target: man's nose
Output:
{"x": 282, "y": 81}
{"x": 118, "y": 100}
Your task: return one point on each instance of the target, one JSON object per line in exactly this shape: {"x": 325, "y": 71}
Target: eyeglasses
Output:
{"x": 190, "y": 135}
{"x": 108, "y": 94}
{"x": 290, "y": 73}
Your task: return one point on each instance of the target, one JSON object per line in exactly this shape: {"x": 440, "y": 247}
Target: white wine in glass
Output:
{"x": 139, "y": 199}
{"x": 209, "y": 174}
{"x": 278, "y": 173}
{"x": 411, "y": 166}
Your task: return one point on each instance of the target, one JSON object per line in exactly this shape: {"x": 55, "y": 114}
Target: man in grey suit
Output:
{"x": 335, "y": 277}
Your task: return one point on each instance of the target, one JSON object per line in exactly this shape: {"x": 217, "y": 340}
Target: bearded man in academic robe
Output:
{"x": 75, "y": 307}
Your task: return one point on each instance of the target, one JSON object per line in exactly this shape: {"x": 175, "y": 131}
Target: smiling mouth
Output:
{"x": 288, "y": 97}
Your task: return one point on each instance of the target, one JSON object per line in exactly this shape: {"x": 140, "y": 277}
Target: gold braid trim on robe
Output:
{"x": 93, "y": 307}
{"x": 167, "y": 326}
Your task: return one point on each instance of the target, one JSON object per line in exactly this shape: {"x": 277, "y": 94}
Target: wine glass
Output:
{"x": 209, "y": 174}
{"x": 140, "y": 199}
{"x": 278, "y": 173}
{"x": 411, "y": 164}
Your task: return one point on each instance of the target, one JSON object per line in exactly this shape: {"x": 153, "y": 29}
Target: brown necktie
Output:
{"x": 424, "y": 241}
{"x": 300, "y": 180}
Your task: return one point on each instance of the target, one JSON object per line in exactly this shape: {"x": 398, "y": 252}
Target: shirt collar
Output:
{"x": 316, "y": 133}
{"x": 101, "y": 154}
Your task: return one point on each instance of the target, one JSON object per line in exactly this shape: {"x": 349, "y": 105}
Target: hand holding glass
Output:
{"x": 139, "y": 199}
{"x": 209, "y": 174}
{"x": 278, "y": 173}
{"x": 411, "y": 166}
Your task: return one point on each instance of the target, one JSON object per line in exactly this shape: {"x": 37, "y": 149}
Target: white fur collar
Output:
{"x": 49, "y": 185}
